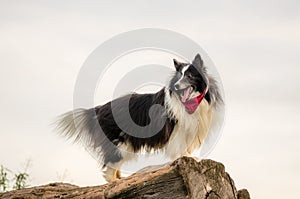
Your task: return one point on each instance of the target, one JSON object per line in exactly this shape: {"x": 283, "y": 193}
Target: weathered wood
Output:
{"x": 184, "y": 178}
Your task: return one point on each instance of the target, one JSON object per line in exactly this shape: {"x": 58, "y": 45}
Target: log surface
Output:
{"x": 183, "y": 178}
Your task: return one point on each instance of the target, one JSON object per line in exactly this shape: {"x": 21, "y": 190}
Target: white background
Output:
{"x": 255, "y": 46}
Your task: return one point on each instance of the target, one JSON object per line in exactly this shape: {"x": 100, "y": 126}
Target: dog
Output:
{"x": 118, "y": 130}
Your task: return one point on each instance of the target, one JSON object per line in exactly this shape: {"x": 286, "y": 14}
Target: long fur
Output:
{"x": 181, "y": 132}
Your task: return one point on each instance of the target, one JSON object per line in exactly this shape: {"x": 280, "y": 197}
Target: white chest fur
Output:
{"x": 190, "y": 130}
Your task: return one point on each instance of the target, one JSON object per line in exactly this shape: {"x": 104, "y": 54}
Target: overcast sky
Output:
{"x": 254, "y": 45}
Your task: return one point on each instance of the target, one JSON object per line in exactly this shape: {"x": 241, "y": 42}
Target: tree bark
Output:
{"x": 183, "y": 178}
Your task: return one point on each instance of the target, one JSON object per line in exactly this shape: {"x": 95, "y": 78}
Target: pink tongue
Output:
{"x": 192, "y": 104}
{"x": 186, "y": 95}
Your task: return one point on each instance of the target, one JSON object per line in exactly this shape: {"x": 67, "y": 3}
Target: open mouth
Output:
{"x": 185, "y": 94}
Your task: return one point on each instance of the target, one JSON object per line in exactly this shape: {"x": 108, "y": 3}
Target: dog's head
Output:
{"x": 190, "y": 79}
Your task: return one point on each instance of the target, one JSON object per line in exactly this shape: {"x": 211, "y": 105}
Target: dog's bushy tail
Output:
{"x": 75, "y": 125}
{"x": 82, "y": 126}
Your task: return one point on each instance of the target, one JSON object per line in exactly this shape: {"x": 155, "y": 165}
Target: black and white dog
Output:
{"x": 188, "y": 105}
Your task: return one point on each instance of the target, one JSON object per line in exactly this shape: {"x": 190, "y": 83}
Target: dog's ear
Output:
{"x": 177, "y": 65}
{"x": 198, "y": 62}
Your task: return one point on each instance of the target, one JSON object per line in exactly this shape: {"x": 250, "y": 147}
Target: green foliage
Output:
{"x": 3, "y": 179}
{"x": 19, "y": 179}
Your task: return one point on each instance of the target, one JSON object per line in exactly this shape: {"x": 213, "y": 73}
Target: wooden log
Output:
{"x": 183, "y": 178}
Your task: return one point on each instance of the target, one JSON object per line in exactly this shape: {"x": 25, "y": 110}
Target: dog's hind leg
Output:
{"x": 112, "y": 166}
{"x": 111, "y": 171}
{"x": 118, "y": 174}
{"x": 110, "y": 174}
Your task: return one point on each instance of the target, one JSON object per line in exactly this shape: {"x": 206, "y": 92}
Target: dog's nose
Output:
{"x": 176, "y": 86}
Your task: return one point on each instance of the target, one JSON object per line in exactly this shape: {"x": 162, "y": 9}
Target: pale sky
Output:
{"x": 254, "y": 45}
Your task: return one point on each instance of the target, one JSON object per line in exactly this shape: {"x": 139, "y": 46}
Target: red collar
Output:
{"x": 192, "y": 104}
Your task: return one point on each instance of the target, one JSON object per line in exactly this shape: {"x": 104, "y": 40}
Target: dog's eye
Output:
{"x": 189, "y": 75}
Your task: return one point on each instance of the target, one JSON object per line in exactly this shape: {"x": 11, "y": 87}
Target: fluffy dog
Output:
{"x": 117, "y": 130}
